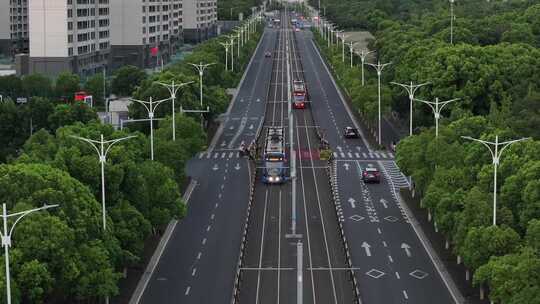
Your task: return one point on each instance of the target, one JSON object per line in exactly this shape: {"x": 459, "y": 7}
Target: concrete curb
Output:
{"x": 154, "y": 260}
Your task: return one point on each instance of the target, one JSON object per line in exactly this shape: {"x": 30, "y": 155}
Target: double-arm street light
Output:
{"x": 232, "y": 37}
{"x": 200, "y": 68}
{"x": 150, "y": 107}
{"x": 493, "y": 148}
{"x": 226, "y": 46}
{"x": 379, "y": 68}
{"x": 342, "y": 47}
{"x": 173, "y": 89}
{"x": 363, "y": 55}
{"x": 6, "y": 234}
{"x": 102, "y": 147}
{"x": 411, "y": 89}
{"x": 351, "y": 50}
{"x": 437, "y": 107}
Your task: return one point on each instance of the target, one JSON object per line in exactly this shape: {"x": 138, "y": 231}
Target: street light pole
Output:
{"x": 150, "y": 107}
{"x": 437, "y": 106}
{"x": 173, "y": 89}
{"x": 200, "y": 68}
{"x": 411, "y": 89}
{"x": 6, "y": 238}
{"x": 102, "y": 147}
{"x": 496, "y": 157}
{"x": 232, "y": 53}
{"x": 379, "y": 68}
{"x": 452, "y": 21}
{"x": 363, "y": 54}
{"x": 226, "y": 46}
{"x": 351, "y": 50}
{"x": 342, "y": 47}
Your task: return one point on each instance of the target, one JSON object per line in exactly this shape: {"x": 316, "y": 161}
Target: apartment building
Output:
{"x": 144, "y": 33}
{"x": 13, "y": 27}
{"x": 68, "y": 35}
{"x": 200, "y": 20}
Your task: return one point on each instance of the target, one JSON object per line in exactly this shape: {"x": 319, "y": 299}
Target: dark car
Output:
{"x": 371, "y": 175}
{"x": 267, "y": 54}
{"x": 350, "y": 132}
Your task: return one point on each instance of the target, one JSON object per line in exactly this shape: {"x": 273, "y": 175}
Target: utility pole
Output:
{"x": 150, "y": 107}
{"x": 6, "y": 237}
{"x": 102, "y": 147}
{"x": 173, "y": 89}
{"x": 411, "y": 89}
{"x": 496, "y": 157}
{"x": 351, "y": 50}
{"x": 437, "y": 106}
{"x": 379, "y": 68}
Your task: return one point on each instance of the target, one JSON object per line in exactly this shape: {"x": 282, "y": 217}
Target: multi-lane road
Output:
{"x": 352, "y": 242}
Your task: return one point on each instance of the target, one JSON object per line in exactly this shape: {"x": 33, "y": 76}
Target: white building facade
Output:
{"x": 200, "y": 20}
{"x": 139, "y": 26}
{"x": 13, "y": 27}
{"x": 68, "y": 35}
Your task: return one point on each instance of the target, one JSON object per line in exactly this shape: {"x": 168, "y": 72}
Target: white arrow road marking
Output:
{"x": 352, "y": 201}
{"x": 237, "y": 167}
{"x": 407, "y": 249}
{"x": 367, "y": 247}
{"x": 224, "y": 143}
{"x": 384, "y": 203}
{"x": 215, "y": 167}
{"x": 251, "y": 127}
{"x": 346, "y": 165}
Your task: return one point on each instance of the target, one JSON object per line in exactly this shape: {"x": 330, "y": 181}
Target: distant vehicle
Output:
{"x": 274, "y": 171}
{"x": 267, "y": 54}
{"x": 299, "y": 86}
{"x": 370, "y": 175}
{"x": 351, "y": 132}
{"x": 299, "y": 101}
{"x": 300, "y": 94}
{"x": 80, "y": 96}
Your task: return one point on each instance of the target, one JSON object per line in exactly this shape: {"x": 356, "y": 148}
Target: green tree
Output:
{"x": 37, "y": 85}
{"x": 66, "y": 85}
{"x": 66, "y": 114}
{"x": 11, "y": 86}
{"x": 95, "y": 86}
{"x": 126, "y": 79}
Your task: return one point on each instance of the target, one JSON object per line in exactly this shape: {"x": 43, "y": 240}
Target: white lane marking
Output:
{"x": 383, "y": 155}
{"x": 342, "y": 155}
{"x": 223, "y": 155}
{"x": 199, "y": 255}
{"x": 219, "y": 196}
{"x": 194, "y": 272}
{"x": 335, "y": 155}
{"x": 384, "y": 244}
{"x": 397, "y": 275}
{"x": 212, "y": 216}
{"x": 208, "y": 155}
{"x": 357, "y": 155}
{"x": 379, "y": 230}
{"x": 217, "y": 204}
{"x": 222, "y": 186}
{"x": 349, "y": 154}
{"x": 405, "y": 295}
{"x": 216, "y": 155}
{"x": 204, "y": 241}
{"x": 209, "y": 227}
{"x": 262, "y": 246}
{"x": 231, "y": 154}
{"x": 187, "y": 290}
{"x": 364, "y": 154}
{"x": 390, "y": 258}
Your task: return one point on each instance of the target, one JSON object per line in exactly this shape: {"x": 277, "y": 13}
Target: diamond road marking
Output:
{"x": 419, "y": 274}
{"x": 356, "y": 218}
{"x": 391, "y": 218}
{"x": 374, "y": 273}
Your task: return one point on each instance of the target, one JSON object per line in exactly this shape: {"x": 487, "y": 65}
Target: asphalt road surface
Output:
{"x": 391, "y": 263}
{"x": 270, "y": 272}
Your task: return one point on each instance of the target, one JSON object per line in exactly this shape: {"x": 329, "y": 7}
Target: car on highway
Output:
{"x": 299, "y": 101}
{"x": 371, "y": 175}
{"x": 351, "y": 132}
{"x": 267, "y": 54}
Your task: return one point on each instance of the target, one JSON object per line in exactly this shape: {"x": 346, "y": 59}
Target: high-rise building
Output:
{"x": 68, "y": 35}
{"x": 200, "y": 20}
{"x": 13, "y": 27}
{"x": 144, "y": 32}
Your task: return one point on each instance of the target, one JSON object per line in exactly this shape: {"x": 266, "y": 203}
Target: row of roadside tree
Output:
{"x": 494, "y": 68}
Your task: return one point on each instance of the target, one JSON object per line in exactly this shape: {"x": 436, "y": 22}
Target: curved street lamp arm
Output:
{"x": 113, "y": 142}
{"x": 508, "y": 143}
{"x": 483, "y": 142}
{"x": 25, "y": 213}
{"x": 90, "y": 141}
